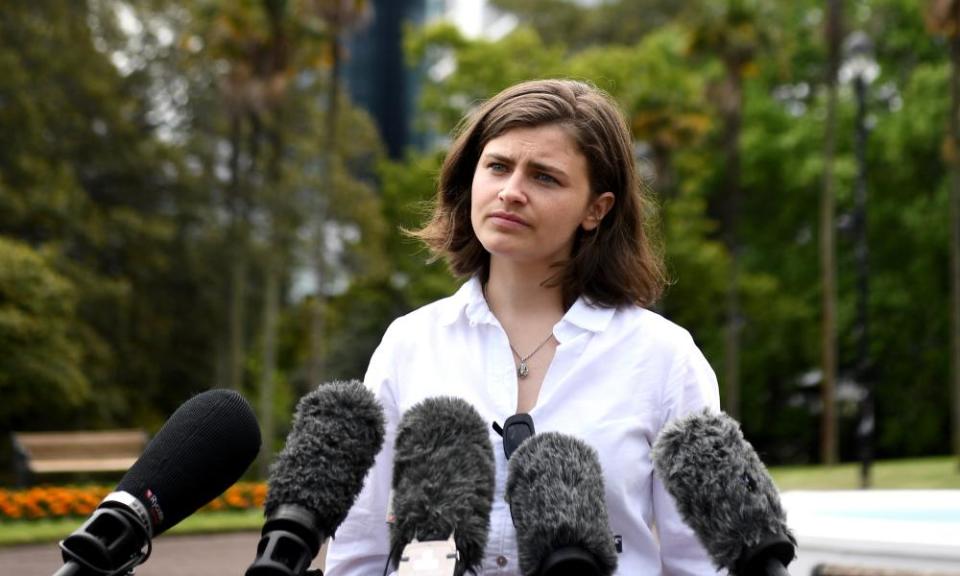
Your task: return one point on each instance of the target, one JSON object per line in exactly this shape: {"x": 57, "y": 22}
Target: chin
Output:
{"x": 497, "y": 245}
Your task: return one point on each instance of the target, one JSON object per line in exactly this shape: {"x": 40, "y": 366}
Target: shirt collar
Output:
{"x": 468, "y": 300}
{"x": 587, "y": 315}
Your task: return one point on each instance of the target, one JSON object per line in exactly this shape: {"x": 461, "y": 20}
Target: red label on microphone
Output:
{"x": 156, "y": 513}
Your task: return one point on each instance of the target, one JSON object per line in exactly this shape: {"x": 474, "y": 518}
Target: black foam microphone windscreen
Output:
{"x": 556, "y": 496}
{"x": 337, "y": 431}
{"x": 725, "y": 494}
{"x": 205, "y": 446}
{"x": 443, "y": 479}
{"x": 202, "y": 449}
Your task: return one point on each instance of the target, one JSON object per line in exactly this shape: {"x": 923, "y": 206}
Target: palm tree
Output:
{"x": 256, "y": 43}
{"x": 732, "y": 31}
{"x": 943, "y": 18}
{"x": 833, "y": 32}
{"x": 339, "y": 17}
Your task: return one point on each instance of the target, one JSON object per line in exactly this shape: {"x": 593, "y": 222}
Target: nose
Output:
{"x": 512, "y": 191}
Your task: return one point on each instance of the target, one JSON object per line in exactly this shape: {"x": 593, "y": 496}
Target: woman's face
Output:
{"x": 530, "y": 193}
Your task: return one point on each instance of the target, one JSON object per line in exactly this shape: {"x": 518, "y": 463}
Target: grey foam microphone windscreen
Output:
{"x": 337, "y": 431}
{"x": 724, "y": 492}
{"x": 443, "y": 478}
{"x": 556, "y": 495}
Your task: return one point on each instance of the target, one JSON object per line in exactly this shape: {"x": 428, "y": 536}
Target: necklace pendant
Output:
{"x": 522, "y": 369}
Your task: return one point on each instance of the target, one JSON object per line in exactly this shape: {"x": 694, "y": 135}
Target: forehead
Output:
{"x": 550, "y": 141}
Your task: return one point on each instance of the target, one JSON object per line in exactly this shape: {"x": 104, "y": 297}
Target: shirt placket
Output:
{"x": 501, "y": 556}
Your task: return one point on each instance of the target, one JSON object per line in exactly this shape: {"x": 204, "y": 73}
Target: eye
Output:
{"x": 545, "y": 178}
{"x": 499, "y": 167}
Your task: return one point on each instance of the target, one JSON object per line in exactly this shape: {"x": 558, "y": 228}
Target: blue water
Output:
{"x": 915, "y": 515}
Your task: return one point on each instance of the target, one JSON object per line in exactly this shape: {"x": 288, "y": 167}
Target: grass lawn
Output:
{"x": 938, "y": 473}
{"x": 33, "y": 531}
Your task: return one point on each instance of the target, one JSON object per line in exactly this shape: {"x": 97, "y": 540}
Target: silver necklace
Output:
{"x": 523, "y": 370}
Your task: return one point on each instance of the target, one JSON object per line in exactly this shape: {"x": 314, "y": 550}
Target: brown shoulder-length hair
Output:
{"x": 616, "y": 264}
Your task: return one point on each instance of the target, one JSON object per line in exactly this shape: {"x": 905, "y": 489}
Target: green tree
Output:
{"x": 307, "y": 197}
{"x": 661, "y": 93}
{"x": 39, "y": 334}
{"x": 339, "y": 18}
{"x": 480, "y": 68}
{"x": 833, "y": 35}
{"x": 733, "y": 31}
{"x": 581, "y": 26}
{"x": 85, "y": 178}
{"x": 943, "y": 17}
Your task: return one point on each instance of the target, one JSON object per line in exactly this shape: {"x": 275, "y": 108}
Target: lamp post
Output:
{"x": 860, "y": 69}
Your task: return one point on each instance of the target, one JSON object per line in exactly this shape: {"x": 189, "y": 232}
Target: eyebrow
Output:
{"x": 533, "y": 164}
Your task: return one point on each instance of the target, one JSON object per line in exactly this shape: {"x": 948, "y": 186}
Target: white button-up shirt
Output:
{"x": 618, "y": 375}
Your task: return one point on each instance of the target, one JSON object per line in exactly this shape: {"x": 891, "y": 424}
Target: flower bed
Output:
{"x": 80, "y": 501}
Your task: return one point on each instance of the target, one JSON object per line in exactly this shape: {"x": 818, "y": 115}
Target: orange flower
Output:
{"x": 81, "y": 501}
{"x": 259, "y": 495}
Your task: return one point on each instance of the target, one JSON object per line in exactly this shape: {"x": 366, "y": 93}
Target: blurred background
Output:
{"x": 211, "y": 193}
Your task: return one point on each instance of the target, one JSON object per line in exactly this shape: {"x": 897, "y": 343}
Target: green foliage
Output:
{"x": 124, "y": 211}
{"x": 483, "y": 67}
{"x": 909, "y": 235}
{"x": 579, "y": 26}
{"x": 39, "y": 330}
{"x": 407, "y": 190}
{"x": 735, "y": 31}
{"x": 778, "y": 50}
{"x": 654, "y": 82}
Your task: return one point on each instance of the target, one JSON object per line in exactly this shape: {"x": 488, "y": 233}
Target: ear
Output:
{"x": 598, "y": 208}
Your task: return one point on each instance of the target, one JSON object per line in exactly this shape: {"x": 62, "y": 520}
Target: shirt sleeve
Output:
{"x": 362, "y": 543}
{"x": 691, "y": 387}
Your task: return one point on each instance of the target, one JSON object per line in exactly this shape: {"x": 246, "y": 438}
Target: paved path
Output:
{"x": 908, "y": 530}
{"x": 211, "y": 555}
{"x": 911, "y": 530}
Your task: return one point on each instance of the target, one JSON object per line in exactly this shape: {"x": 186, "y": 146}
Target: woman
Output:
{"x": 539, "y": 208}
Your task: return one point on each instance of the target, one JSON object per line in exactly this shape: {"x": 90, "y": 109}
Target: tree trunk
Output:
{"x": 955, "y": 222}
{"x": 238, "y": 265}
{"x": 238, "y": 294}
{"x": 276, "y": 259}
{"x": 331, "y": 142}
{"x": 278, "y": 234}
{"x": 731, "y": 210}
{"x": 271, "y": 305}
{"x": 828, "y": 331}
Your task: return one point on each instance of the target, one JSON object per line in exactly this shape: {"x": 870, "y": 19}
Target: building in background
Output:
{"x": 377, "y": 75}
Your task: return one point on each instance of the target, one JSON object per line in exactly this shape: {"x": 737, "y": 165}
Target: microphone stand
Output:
{"x": 112, "y": 542}
{"x": 768, "y": 558}
{"x": 774, "y": 567}
{"x": 569, "y": 561}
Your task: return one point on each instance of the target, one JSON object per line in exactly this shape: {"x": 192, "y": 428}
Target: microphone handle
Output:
{"x": 71, "y": 568}
{"x": 774, "y": 567}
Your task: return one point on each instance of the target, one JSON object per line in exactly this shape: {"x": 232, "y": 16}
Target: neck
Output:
{"x": 517, "y": 291}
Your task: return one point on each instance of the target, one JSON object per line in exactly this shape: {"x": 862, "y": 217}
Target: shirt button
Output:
{"x": 501, "y": 561}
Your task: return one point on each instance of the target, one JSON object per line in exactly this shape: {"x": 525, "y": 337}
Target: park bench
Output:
{"x": 41, "y": 453}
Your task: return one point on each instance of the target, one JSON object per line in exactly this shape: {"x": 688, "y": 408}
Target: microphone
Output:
{"x": 337, "y": 431}
{"x": 556, "y": 496}
{"x": 201, "y": 450}
{"x": 443, "y": 482}
{"x": 724, "y": 493}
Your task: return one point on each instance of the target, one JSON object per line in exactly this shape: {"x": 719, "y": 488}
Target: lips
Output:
{"x": 501, "y": 215}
